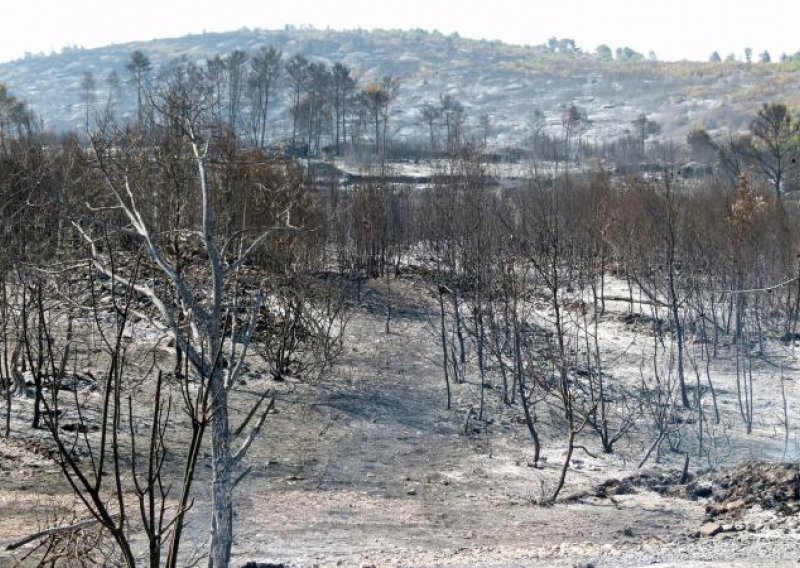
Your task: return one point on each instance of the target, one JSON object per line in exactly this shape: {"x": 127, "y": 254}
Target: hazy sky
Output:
{"x": 673, "y": 29}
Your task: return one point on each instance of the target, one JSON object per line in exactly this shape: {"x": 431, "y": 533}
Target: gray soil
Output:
{"x": 366, "y": 467}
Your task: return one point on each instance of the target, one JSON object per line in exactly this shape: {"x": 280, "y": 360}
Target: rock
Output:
{"x": 411, "y": 492}
{"x": 702, "y": 491}
{"x": 734, "y": 505}
{"x": 75, "y": 427}
{"x": 710, "y": 529}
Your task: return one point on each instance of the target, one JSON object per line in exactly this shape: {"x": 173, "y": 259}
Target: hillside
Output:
{"x": 506, "y": 82}
{"x": 367, "y": 468}
{"x": 214, "y": 353}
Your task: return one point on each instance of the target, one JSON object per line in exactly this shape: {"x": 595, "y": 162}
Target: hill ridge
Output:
{"x": 506, "y": 82}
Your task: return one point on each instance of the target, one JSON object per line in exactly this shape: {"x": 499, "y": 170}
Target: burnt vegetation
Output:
{"x": 162, "y": 274}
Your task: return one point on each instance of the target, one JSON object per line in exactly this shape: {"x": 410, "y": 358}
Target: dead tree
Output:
{"x": 193, "y": 307}
{"x": 102, "y": 452}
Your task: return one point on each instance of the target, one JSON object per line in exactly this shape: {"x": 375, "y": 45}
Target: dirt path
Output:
{"x": 389, "y": 479}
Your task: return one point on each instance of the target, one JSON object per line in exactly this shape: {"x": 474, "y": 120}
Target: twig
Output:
{"x": 585, "y": 449}
{"x": 52, "y": 532}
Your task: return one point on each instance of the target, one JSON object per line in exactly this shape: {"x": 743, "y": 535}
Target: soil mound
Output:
{"x": 772, "y": 486}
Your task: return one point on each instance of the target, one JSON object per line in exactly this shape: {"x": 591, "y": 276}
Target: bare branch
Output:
{"x": 242, "y": 451}
{"x": 53, "y": 532}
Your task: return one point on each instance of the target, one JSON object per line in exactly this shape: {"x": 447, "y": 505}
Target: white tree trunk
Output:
{"x": 222, "y": 483}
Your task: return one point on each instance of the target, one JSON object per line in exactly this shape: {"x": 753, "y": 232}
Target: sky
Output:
{"x": 673, "y": 29}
